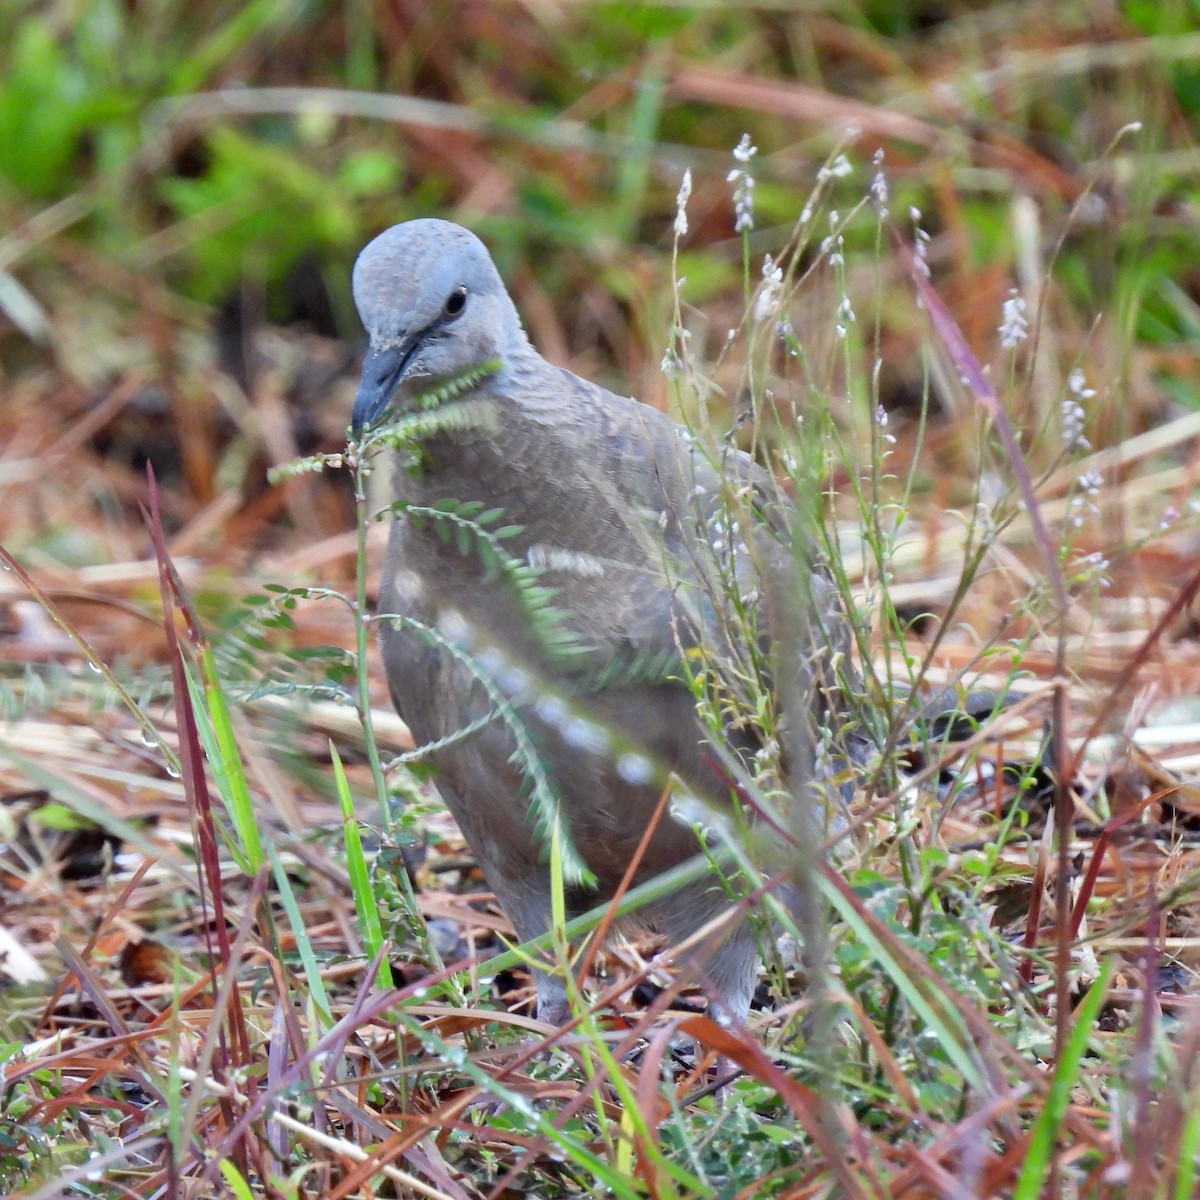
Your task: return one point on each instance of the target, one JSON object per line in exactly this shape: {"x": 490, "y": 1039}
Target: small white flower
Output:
{"x": 838, "y": 169}
{"x": 920, "y": 244}
{"x": 743, "y": 191}
{"x": 881, "y": 423}
{"x": 1074, "y": 417}
{"x": 879, "y": 186}
{"x": 832, "y": 246}
{"x": 671, "y": 364}
{"x": 1083, "y": 502}
{"x": 1094, "y": 566}
{"x": 768, "y": 753}
{"x": 1014, "y": 325}
{"x": 745, "y": 150}
{"x": 743, "y": 208}
{"x": 766, "y": 304}
{"x": 1077, "y": 383}
{"x": 845, "y": 315}
{"x": 681, "y": 200}
{"x": 1074, "y": 414}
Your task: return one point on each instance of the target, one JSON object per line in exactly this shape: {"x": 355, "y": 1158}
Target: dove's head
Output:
{"x": 434, "y": 307}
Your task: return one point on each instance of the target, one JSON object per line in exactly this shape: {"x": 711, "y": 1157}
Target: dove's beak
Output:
{"x": 382, "y": 373}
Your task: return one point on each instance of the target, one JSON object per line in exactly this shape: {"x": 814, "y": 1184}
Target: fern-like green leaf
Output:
{"x": 463, "y": 522}
{"x": 544, "y": 804}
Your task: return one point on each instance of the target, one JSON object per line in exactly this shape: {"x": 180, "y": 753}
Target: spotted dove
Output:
{"x": 562, "y": 562}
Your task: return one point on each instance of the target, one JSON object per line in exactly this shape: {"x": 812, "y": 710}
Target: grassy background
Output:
{"x": 182, "y": 191}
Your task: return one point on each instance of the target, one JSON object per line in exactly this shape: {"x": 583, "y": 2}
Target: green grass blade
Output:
{"x": 237, "y": 1183}
{"x": 938, "y": 1016}
{"x": 1189, "y": 1146}
{"x": 360, "y": 876}
{"x": 220, "y": 745}
{"x": 312, "y": 969}
{"x": 1045, "y": 1129}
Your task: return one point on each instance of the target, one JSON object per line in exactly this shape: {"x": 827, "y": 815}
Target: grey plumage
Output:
{"x": 619, "y": 514}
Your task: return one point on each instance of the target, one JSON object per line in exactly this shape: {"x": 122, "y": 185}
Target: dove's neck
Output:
{"x": 506, "y": 443}
{"x": 529, "y": 384}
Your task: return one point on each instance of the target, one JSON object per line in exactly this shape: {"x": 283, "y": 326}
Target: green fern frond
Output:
{"x": 425, "y": 749}
{"x": 313, "y": 464}
{"x": 466, "y": 524}
{"x": 437, "y": 397}
{"x": 40, "y": 689}
{"x": 651, "y": 666}
{"x": 415, "y": 424}
{"x": 545, "y": 808}
{"x": 413, "y": 428}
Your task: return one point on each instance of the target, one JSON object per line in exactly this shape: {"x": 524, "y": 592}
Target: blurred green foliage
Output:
{"x": 162, "y": 158}
{"x": 562, "y": 138}
{"x": 48, "y": 102}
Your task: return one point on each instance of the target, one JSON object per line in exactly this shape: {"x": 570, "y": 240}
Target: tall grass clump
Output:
{"x": 954, "y": 1005}
{"x": 912, "y": 1006}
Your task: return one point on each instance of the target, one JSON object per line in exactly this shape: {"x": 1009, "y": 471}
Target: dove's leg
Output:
{"x": 726, "y": 960}
{"x": 525, "y": 897}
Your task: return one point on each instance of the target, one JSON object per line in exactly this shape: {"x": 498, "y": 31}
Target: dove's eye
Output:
{"x": 456, "y": 302}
